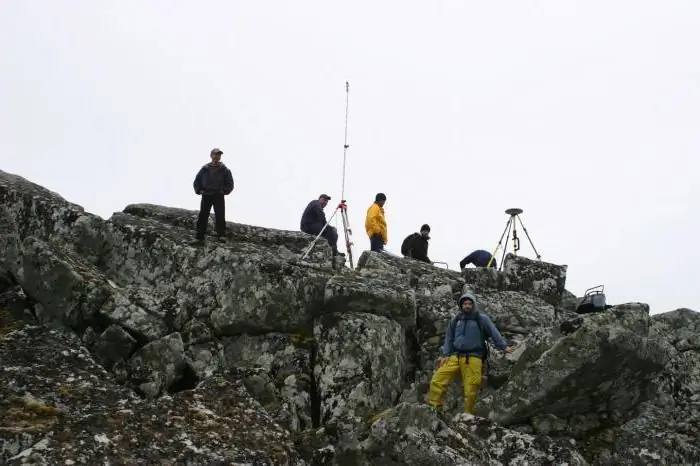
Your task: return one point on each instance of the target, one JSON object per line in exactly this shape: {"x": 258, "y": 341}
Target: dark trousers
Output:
{"x": 209, "y": 201}
{"x": 376, "y": 243}
{"x": 330, "y": 233}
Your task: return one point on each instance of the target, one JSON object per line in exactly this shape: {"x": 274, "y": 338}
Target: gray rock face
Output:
{"x": 122, "y": 342}
{"x": 360, "y": 367}
{"x": 380, "y": 294}
{"x": 666, "y": 429}
{"x": 616, "y": 343}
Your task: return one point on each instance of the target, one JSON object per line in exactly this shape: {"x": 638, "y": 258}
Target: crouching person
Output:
{"x": 313, "y": 220}
{"x": 464, "y": 352}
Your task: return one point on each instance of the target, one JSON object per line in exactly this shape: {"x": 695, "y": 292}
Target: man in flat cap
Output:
{"x": 314, "y": 219}
{"x": 213, "y": 182}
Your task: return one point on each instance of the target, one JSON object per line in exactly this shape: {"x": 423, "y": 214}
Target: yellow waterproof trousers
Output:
{"x": 469, "y": 368}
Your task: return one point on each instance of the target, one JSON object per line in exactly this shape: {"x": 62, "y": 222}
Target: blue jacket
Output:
{"x": 479, "y": 258}
{"x": 313, "y": 219}
{"x": 463, "y": 335}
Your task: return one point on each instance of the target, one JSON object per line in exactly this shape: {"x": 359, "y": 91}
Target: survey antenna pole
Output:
{"x": 345, "y": 144}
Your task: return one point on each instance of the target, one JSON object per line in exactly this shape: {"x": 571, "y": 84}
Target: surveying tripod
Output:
{"x": 343, "y": 209}
{"x": 514, "y": 213}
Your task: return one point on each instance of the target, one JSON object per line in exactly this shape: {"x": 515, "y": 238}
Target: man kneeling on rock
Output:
{"x": 465, "y": 351}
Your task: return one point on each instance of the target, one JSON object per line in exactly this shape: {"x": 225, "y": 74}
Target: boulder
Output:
{"x": 158, "y": 365}
{"x": 539, "y": 279}
{"x": 47, "y": 216}
{"x": 379, "y": 294}
{"x": 236, "y": 287}
{"x": 415, "y": 434}
{"x": 666, "y": 428}
{"x": 360, "y": 368}
{"x": 603, "y": 367}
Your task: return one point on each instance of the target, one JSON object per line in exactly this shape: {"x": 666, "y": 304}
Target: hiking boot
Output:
{"x": 197, "y": 242}
{"x": 221, "y": 239}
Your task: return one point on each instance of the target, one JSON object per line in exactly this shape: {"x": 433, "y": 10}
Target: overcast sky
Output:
{"x": 584, "y": 114}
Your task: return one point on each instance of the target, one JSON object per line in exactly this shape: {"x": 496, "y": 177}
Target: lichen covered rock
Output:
{"x": 123, "y": 342}
{"x": 359, "y": 368}
{"x": 379, "y": 294}
{"x": 561, "y": 382}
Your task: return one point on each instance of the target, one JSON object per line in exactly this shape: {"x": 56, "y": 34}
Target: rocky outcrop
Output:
{"x": 121, "y": 341}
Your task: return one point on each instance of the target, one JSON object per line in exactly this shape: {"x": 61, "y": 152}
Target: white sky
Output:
{"x": 584, "y": 114}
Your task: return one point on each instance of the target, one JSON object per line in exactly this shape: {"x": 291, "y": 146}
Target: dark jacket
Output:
{"x": 213, "y": 180}
{"x": 479, "y": 258}
{"x": 313, "y": 219}
{"x": 416, "y": 246}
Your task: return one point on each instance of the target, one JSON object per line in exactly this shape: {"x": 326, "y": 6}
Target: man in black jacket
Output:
{"x": 213, "y": 182}
{"x": 416, "y": 245}
{"x": 313, "y": 220}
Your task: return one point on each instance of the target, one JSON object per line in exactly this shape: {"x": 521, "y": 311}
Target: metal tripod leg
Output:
{"x": 348, "y": 233}
{"x": 328, "y": 222}
{"x": 500, "y": 242}
{"x": 528, "y": 238}
{"x": 511, "y": 221}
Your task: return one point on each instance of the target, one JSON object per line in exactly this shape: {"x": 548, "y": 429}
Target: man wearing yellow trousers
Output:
{"x": 375, "y": 224}
{"x": 464, "y": 351}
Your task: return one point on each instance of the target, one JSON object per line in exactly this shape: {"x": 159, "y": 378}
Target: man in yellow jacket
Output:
{"x": 375, "y": 224}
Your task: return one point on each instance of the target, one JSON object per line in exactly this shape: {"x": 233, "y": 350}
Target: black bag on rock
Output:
{"x": 593, "y": 301}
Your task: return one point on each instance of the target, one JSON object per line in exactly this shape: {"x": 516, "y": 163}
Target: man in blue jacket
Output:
{"x": 465, "y": 351}
{"x": 479, "y": 258}
{"x": 313, "y": 220}
{"x": 213, "y": 182}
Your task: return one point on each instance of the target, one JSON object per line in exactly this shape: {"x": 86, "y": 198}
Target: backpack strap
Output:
{"x": 483, "y": 336}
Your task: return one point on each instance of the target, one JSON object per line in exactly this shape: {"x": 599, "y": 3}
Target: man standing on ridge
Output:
{"x": 313, "y": 220}
{"x": 375, "y": 224}
{"x": 213, "y": 182}
{"x": 479, "y": 258}
{"x": 465, "y": 350}
{"x": 416, "y": 245}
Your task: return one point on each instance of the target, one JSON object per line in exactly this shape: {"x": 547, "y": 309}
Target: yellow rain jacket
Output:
{"x": 375, "y": 223}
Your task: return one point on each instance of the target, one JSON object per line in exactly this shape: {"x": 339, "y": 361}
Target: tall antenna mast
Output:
{"x": 345, "y": 144}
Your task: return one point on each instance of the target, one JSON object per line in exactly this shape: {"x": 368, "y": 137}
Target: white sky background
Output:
{"x": 584, "y": 114}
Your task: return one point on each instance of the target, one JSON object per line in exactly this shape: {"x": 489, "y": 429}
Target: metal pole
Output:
{"x": 345, "y": 144}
